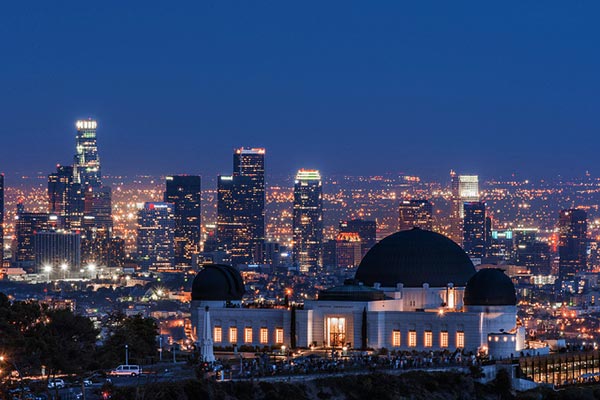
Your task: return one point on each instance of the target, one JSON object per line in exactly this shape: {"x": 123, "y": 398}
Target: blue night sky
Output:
{"x": 349, "y": 87}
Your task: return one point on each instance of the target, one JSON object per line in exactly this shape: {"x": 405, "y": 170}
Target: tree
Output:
{"x": 137, "y": 332}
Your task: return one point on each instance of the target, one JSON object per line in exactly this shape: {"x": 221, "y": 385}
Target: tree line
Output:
{"x": 33, "y": 336}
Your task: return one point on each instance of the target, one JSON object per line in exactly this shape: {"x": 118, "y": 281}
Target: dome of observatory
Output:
{"x": 218, "y": 282}
{"x": 490, "y": 287}
{"x": 414, "y": 257}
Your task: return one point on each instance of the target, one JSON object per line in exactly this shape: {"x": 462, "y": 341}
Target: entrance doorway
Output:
{"x": 336, "y": 331}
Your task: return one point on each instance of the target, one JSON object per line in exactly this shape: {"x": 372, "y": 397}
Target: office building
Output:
{"x": 307, "y": 222}
{"x": 156, "y": 231}
{"x": 57, "y": 253}
{"x": 474, "y": 229}
{"x": 572, "y": 243}
{"x": 415, "y": 214}
{"x": 249, "y": 203}
{"x": 66, "y": 198}
{"x": 348, "y": 250}
{"x": 87, "y": 161}
{"x": 184, "y": 192}
{"x": 367, "y": 232}
{"x": 241, "y": 207}
{"x": 465, "y": 188}
{"x": 27, "y": 224}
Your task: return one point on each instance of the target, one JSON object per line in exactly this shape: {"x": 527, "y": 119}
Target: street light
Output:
{"x": 64, "y": 268}
{"x": 91, "y": 269}
{"x": 48, "y": 270}
{"x": 126, "y": 355}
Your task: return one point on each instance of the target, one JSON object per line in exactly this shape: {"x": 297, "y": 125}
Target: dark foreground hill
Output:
{"x": 412, "y": 385}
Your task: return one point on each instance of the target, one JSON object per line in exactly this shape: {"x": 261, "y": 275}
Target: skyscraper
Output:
{"x": 27, "y": 224}
{"x": 241, "y": 207}
{"x": 184, "y": 192}
{"x": 308, "y": 220}
{"x": 86, "y": 161}
{"x": 367, "y": 232}
{"x": 465, "y": 188}
{"x": 249, "y": 201}
{"x": 66, "y": 198}
{"x": 474, "y": 229}
{"x": 156, "y": 229}
{"x": 415, "y": 214}
{"x": 572, "y": 243}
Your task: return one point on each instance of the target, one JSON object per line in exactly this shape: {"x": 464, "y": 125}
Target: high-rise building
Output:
{"x": 502, "y": 245}
{"x": 249, "y": 202}
{"x": 184, "y": 192}
{"x": 241, "y": 207}
{"x": 1, "y": 219}
{"x": 66, "y": 198}
{"x": 86, "y": 160}
{"x": 367, "y": 232}
{"x": 98, "y": 204}
{"x": 474, "y": 229}
{"x": 465, "y": 188}
{"x": 348, "y": 250}
{"x": 27, "y": 224}
{"x": 156, "y": 231}
{"x": 57, "y": 252}
{"x": 530, "y": 252}
{"x": 415, "y": 214}
{"x": 572, "y": 243}
{"x": 308, "y": 220}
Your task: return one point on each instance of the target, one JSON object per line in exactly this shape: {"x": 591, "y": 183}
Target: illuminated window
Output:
{"x": 218, "y": 334}
{"x": 412, "y": 338}
{"x": 248, "y": 335}
{"x": 443, "y": 339}
{"x": 233, "y": 335}
{"x": 428, "y": 339}
{"x": 460, "y": 339}
{"x": 278, "y": 335}
{"x": 396, "y": 338}
{"x": 264, "y": 335}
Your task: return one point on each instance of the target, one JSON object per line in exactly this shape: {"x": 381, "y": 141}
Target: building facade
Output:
{"x": 415, "y": 290}
{"x": 572, "y": 243}
{"x": 156, "y": 231}
{"x": 185, "y": 193}
{"x": 87, "y": 161}
{"x": 307, "y": 221}
{"x": 415, "y": 214}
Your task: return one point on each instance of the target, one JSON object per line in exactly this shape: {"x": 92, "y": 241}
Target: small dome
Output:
{"x": 218, "y": 282}
{"x": 414, "y": 257}
{"x": 490, "y": 287}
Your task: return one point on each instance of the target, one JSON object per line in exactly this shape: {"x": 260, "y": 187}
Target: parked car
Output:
{"x": 126, "y": 370}
{"x": 56, "y": 383}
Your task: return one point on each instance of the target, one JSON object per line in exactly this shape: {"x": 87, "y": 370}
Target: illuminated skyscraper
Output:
{"x": 241, "y": 207}
{"x": 156, "y": 231}
{"x": 249, "y": 202}
{"x": 66, "y": 198}
{"x": 465, "y": 188}
{"x": 87, "y": 162}
{"x": 414, "y": 214}
{"x": 184, "y": 192}
{"x": 308, "y": 220}
{"x": 572, "y": 243}
{"x": 474, "y": 229}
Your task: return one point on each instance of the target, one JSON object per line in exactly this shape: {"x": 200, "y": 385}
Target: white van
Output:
{"x": 126, "y": 370}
